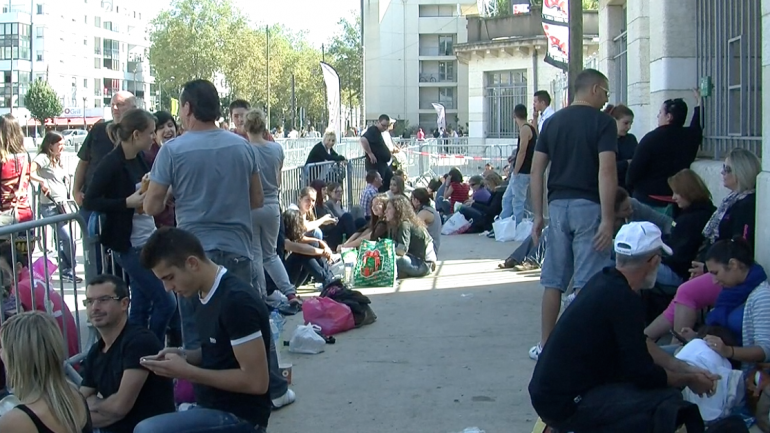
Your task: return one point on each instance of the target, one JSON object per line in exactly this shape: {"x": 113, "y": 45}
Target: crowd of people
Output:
{"x": 635, "y": 250}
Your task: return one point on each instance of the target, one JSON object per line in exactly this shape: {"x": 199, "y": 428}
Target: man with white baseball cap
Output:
{"x": 598, "y": 371}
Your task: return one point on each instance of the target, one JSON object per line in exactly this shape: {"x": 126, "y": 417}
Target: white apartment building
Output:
{"x": 409, "y": 60}
{"x": 86, "y": 49}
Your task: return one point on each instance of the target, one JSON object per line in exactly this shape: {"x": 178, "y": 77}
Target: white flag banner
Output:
{"x": 555, "y": 19}
{"x": 440, "y": 116}
{"x": 332, "y": 81}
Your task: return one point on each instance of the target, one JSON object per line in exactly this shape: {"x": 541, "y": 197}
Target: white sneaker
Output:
{"x": 534, "y": 352}
{"x": 284, "y": 400}
{"x": 568, "y": 300}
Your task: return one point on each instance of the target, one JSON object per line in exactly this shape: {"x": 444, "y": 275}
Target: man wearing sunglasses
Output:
{"x": 119, "y": 391}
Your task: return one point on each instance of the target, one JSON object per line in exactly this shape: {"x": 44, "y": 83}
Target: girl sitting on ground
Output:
{"x": 344, "y": 225}
{"x": 421, "y": 201}
{"x": 309, "y": 256}
{"x": 416, "y": 256}
{"x": 306, "y": 206}
{"x": 376, "y": 229}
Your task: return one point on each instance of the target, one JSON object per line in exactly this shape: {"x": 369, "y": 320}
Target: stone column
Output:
{"x": 610, "y": 25}
{"x": 639, "y": 64}
{"x": 762, "y": 235}
{"x": 673, "y": 62}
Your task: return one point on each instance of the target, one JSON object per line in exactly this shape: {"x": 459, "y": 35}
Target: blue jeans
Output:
{"x": 667, "y": 277}
{"x": 520, "y": 190}
{"x": 507, "y": 211}
{"x": 65, "y": 245}
{"x": 571, "y": 254}
{"x": 195, "y": 421}
{"x": 147, "y": 294}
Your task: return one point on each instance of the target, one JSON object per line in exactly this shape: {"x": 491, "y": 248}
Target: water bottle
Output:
{"x": 276, "y": 327}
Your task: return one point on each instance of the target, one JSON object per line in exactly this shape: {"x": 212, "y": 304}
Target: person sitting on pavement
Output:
{"x": 120, "y": 392}
{"x": 324, "y": 150}
{"x": 33, "y": 354}
{"x": 117, "y": 191}
{"x": 415, "y": 254}
{"x": 18, "y": 280}
{"x": 397, "y": 187}
{"x": 479, "y": 191}
{"x": 665, "y": 151}
{"x": 333, "y": 204}
{"x": 694, "y": 199}
{"x": 612, "y": 379}
{"x": 230, "y": 370}
{"x": 735, "y": 216}
{"x": 309, "y": 256}
{"x": 743, "y": 306}
{"x": 338, "y": 229}
{"x": 306, "y": 205}
{"x": 377, "y": 227}
{"x": 421, "y": 199}
{"x": 627, "y": 142}
{"x": 483, "y": 213}
{"x": 373, "y": 183}
{"x": 455, "y": 191}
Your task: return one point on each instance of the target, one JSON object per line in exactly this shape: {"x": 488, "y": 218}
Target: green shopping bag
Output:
{"x": 376, "y": 265}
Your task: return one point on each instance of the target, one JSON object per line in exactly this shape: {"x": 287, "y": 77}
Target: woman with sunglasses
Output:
{"x": 735, "y": 217}
{"x": 664, "y": 152}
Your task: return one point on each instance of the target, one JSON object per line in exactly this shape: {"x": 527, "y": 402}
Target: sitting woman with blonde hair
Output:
{"x": 33, "y": 354}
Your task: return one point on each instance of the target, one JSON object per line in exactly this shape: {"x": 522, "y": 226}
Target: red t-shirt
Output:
{"x": 9, "y": 186}
{"x": 460, "y": 193}
{"x": 59, "y": 309}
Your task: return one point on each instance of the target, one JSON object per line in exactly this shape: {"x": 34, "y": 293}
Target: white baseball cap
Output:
{"x": 638, "y": 238}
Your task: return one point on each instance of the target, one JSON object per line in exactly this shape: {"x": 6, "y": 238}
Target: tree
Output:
{"x": 193, "y": 39}
{"x": 42, "y": 101}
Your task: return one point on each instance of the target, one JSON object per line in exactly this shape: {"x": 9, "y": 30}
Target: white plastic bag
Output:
{"x": 306, "y": 340}
{"x": 505, "y": 229}
{"x": 456, "y": 224}
{"x": 523, "y": 230}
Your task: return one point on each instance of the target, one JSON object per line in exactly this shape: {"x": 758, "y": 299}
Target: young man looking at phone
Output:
{"x": 230, "y": 369}
{"x": 120, "y": 392}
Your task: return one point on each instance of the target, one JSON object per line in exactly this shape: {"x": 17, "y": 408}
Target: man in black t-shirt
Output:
{"x": 230, "y": 368}
{"x": 377, "y": 153}
{"x": 580, "y": 143}
{"x": 599, "y": 372}
{"x": 119, "y": 391}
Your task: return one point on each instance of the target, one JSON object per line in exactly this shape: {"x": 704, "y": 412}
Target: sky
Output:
{"x": 317, "y": 17}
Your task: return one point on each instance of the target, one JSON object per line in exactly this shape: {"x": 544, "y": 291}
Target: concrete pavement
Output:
{"x": 447, "y": 352}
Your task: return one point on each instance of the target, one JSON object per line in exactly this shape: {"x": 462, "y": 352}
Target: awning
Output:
{"x": 65, "y": 121}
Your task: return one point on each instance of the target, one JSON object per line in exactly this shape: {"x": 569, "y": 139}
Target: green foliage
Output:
{"x": 208, "y": 38}
{"x": 42, "y": 101}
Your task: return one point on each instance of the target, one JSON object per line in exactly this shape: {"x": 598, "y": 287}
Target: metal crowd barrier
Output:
{"x": 350, "y": 173}
{"x": 24, "y": 237}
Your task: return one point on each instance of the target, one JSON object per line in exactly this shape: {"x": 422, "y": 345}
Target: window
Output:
{"x": 446, "y": 71}
{"x": 445, "y": 45}
{"x": 620, "y": 42}
{"x": 98, "y": 22}
{"x": 85, "y": 19}
{"x": 40, "y": 31}
{"x": 40, "y": 9}
{"x": 503, "y": 91}
{"x": 5, "y": 9}
{"x": 85, "y": 42}
{"x": 39, "y": 56}
{"x": 446, "y": 97}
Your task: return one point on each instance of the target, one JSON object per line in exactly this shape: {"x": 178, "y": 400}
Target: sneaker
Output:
{"x": 491, "y": 234}
{"x": 284, "y": 400}
{"x": 526, "y": 266}
{"x": 534, "y": 352}
{"x": 568, "y": 300}
{"x": 68, "y": 275}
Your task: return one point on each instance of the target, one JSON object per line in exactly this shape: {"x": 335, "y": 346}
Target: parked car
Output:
{"x": 74, "y": 137}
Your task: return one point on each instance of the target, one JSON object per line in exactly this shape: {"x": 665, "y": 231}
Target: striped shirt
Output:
{"x": 756, "y": 322}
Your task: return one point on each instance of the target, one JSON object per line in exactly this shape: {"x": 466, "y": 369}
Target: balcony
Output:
{"x": 502, "y": 36}
{"x": 436, "y": 51}
{"x": 520, "y": 26}
{"x": 437, "y": 79}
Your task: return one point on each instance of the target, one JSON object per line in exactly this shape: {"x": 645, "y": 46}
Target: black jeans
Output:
{"x": 614, "y": 408}
{"x": 300, "y": 267}
{"x": 333, "y": 234}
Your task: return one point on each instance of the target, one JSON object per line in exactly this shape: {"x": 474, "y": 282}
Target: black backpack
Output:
{"x": 358, "y": 303}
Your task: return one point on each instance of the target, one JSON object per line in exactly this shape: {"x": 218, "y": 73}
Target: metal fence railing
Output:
{"x": 39, "y": 286}
{"x": 350, "y": 173}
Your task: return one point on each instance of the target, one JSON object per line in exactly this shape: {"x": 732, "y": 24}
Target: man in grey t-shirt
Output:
{"x": 214, "y": 177}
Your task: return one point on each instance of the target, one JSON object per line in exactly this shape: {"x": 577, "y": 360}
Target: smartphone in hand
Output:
{"x": 679, "y": 337}
{"x": 152, "y": 358}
